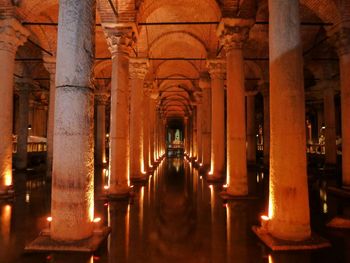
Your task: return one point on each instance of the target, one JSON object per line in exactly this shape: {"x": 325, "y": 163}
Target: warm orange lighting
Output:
{"x": 49, "y": 219}
{"x": 8, "y": 177}
{"x": 200, "y": 177}
{"x": 106, "y": 187}
{"x": 97, "y": 220}
{"x": 225, "y": 186}
{"x": 265, "y": 218}
{"x": 200, "y": 164}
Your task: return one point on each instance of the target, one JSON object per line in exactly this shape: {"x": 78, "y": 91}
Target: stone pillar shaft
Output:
{"x": 266, "y": 128}
{"x": 206, "y": 128}
{"x": 72, "y": 205}
{"x": 251, "y": 129}
{"x": 329, "y": 113}
{"x": 22, "y": 138}
{"x": 102, "y": 100}
{"x": 288, "y": 200}
{"x": 12, "y": 35}
{"x": 50, "y": 65}
{"x": 137, "y": 71}
{"x": 217, "y": 165}
{"x": 199, "y": 133}
{"x": 343, "y": 45}
{"x": 152, "y": 131}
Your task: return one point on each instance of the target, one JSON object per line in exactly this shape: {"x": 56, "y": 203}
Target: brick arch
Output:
{"x": 168, "y": 39}
{"x": 186, "y": 68}
{"x": 202, "y": 7}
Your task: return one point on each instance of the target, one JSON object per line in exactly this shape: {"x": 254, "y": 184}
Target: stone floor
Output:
{"x": 175, "y": 217}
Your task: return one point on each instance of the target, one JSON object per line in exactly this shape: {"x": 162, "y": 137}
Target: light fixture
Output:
{"x": 29, "y": 127}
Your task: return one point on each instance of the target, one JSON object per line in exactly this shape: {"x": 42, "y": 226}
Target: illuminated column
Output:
{"x": 22, "y": 153}
{"x": 152, "y": 124}
{"x": 72, "y": 204}
{"x": 330, "y": 131}
{"x": 102, "y": 100}
{"x": 12, "y": 35}
{"x": 251, "y": 128}
{"x": 50, "y": 65}
{"x": 147, "y": 89}
{"x": 137, "y": 70}
{"x": 186, "y": 135}
{"x": 206, "y": 120}
{"x": 343, "y": 45}
{"x": 217, "y": 74}
{"x": 288, "y": 199}
{"x": 120, "y": 44}
{"x": 194, "y": 133}
{"x": 264, "y": 88}
{"x": 199, "y": 130}
{"x": 234, "y": 33}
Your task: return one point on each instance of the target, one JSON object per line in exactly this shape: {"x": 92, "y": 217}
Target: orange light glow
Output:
{"x": 106, "y": 187}
{"x": 8, "y": 177}
{"x": 97, "y": 220}
{"x": 49, "y": 219}
{"x": 225, "y": 186}
{"x": 265, "y": 218}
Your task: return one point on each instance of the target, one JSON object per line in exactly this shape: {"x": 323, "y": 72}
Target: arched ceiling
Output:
{"x": 178, "y": 36}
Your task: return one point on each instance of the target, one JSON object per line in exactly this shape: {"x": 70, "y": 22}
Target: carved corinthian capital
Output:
{"x": 12, "y": 34}
{"x": 234, "y": 32}
{"x": 120, "y": 40}
{"x": 217, "y": 68}
{"x": 138, "y": 68}
{"x": 341, "y": 39}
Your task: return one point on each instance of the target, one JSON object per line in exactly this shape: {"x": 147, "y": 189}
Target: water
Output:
{"x": 175, "y": 217}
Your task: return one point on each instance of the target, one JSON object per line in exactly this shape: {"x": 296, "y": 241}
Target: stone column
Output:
{"x": 217, "y": 74}
{"x": 138, "y": 68}
{"x": 22, "y": 138}
{"x": 330, "y": 131}
{"x": 199, "y": 131}
{"x": 251, "y": 128}
{"x": 233, "y": 34}
{"x": 194, "y": 134}
{"x": 120, "y": 44}
{"x": 206, "y": 120}
{"x": 186, "y": 135}
{"x": 72, "y": 205}
{"x": 152, "y": 124}
{"x": 12, "y": 35}
{"x": 147, "y": 89}
{"x": 102, "y": 99}
{"x": 343, "y": 45}
{"x": 50, "y": 65}
{"x": 264, "y": 88}
{"x": 288, "y": 199}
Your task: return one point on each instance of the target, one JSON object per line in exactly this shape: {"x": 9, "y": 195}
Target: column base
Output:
{"x": 227, "y": 196}
{"x": 339, "y": 223}
{"x": 7, "y": 192}
{"x": 140, "y": 178}
{"x": 276, "y": 244}
{"x": 215, "y": 178}
{"x": 121, "y": 193}
{"x": 342, "y": 192}
{"x": 44, "y": 242}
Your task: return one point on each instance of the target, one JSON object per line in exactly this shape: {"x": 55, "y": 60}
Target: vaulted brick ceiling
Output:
{"x": 178, "y": 51}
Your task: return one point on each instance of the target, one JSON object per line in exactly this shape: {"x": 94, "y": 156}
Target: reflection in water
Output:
{"x": 5, "y": 226}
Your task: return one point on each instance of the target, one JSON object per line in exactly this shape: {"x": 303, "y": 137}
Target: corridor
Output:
{"x": 174, "y": 217}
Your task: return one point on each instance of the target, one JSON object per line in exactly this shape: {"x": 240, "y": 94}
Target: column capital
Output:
{"x": 25, "y": 84}
{"x": 204, "y": 80}
{"x": 234, "y": 32}
{"x": 12, "y": 34}
{"x": 264, "y": 88}
{"x": 138, "y": 68}
{"x": 102, "y": 98}
{"x": 121, "y": 39}
{"x": 50, "y": 64}
{"x": 217, "y": 68}
{"x": 147, "y": 88}
{"x": 341, "y": 40}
